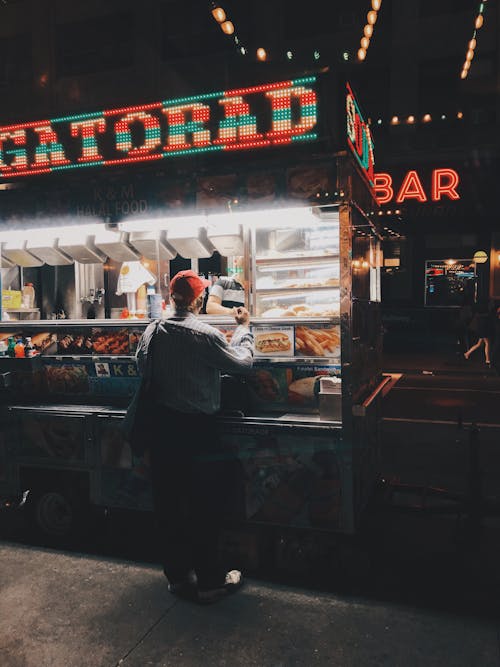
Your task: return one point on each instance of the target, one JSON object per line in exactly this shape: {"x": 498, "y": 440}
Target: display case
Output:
{"x": 296, "y": 264}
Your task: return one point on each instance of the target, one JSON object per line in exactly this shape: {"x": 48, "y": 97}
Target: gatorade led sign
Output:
{"x": 359, "y": 137}
{"x": 443, "y": 184}
{"x": 226, "y": 120}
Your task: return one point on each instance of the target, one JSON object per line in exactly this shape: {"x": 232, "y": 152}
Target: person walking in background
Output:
{"x": 481, "y": 326}
{"x": 465, "y": 315}
{"x": 189, "y": 484}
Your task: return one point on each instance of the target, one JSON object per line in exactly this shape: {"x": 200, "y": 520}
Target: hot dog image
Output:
{"x": 272, "y": 341}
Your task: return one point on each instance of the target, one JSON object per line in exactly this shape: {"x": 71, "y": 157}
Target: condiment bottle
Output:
{"x": 29, "y": 348}
{"x": 19, "y": 349}
{"x": 11, "y": 346}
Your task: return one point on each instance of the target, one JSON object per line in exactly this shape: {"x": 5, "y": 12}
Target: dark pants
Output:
{"x": 188, "y": 494}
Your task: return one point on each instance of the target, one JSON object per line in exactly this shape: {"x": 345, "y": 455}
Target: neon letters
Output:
{"x": 218, "y": 121}
{"x": 444, "y": 183}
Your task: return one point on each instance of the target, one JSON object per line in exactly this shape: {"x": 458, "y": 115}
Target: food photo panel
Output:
{"x": 273, "y": 341}
{"x": 317, "y": 340}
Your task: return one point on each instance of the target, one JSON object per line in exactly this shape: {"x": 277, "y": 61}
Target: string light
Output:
{"x": 412, "y": 119}
{"x": 371, "y": 19}
{"x": 218, "y": 13}
{"x": 478, "y": 24}
{"x": 227, "y": 27}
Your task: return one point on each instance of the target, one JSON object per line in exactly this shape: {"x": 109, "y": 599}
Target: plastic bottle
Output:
{"x": 11, "y": 346}
{"x": 29, "y": 348}
{"x": 28, "y": 295}
{"x": 19, "y": 349}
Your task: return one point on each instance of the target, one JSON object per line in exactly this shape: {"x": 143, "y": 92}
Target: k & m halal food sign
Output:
{"x": 230, "y": 120}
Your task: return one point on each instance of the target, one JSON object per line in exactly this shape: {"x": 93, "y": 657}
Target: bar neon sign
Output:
{"x": 444, "y": 183}
{"x": 217, "y": 121}
{"x": 359, "y": 137}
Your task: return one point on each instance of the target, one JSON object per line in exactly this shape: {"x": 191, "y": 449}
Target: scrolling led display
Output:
{"x": 218, "y": 121}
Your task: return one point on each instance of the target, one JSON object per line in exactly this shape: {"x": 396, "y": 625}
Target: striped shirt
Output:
{"x": 188, "y": 357}
{"x": 229, "y": 291}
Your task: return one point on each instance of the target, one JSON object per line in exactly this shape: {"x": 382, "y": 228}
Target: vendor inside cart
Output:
{"x": 228, "y": 292}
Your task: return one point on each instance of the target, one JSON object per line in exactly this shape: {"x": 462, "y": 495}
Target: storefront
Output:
{"x": 271, "y": 186}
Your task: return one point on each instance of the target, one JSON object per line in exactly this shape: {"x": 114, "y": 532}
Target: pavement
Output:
{"x": 412, "y": 589}
{"x": 74, "y": 610}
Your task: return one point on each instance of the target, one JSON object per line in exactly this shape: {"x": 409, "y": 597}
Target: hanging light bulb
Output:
{"x": 470, "y": 54}
{"x": 218, "y": 13}
{"x": 479, "y": 21}
{"x": 466, "y": 65}
{"x": 376, "y": 4}
{"x": 463, "y": 74}
{"x": 411, "y": 120}
{"x": 371, "y": 17}
{"x": 227, "y": 27}
{"x": 368, "y": 30}
{"x": 261, "y": 54}
{"x": 460, "y": 115}
{"x": 394, "y": 120}
{"x": 365, "y": 42}
{"x": 472, "y": 43}
{"x": 361, "y": 54}
{"x": 427, "y": 118}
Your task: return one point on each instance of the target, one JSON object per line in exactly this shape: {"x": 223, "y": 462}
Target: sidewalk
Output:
{"x": 74, "y": 610}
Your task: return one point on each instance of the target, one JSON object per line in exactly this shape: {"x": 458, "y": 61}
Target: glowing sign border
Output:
{"x": 359, "y": 136}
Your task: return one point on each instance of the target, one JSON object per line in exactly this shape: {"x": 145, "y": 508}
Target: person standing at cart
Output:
{"x": 228, "y": 292}
{"x": 187, "y": 358}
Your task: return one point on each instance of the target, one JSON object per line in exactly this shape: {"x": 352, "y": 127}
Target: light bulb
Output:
{"x": 219, "y": 14}
{"x": 479, "y": 21}
{"x": 463, "y": 74}
{"x": 371, "y": 17}
{"x": 361, "y": 54}
{"x": 472, "y": 44}
{"x": 427, "y": 118}
{"x": 376, "y": 4}
{"x": 470, "y": 54}
{"x": 261, "y": 54}
{"x": 411, "y": 119}
{"x": 227, "y": 27}
{"x": 365, "y": 42}
{"x": 368, "y": 30}
{"x": 394, "y": 120}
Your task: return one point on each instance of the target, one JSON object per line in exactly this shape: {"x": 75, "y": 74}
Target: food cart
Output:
{"x": 93, "y": 214}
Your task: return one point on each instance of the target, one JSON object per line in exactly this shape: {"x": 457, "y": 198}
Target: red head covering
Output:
{"x": 188, "y": 284}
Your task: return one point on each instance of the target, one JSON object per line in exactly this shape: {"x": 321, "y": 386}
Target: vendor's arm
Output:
{"x": 215, "y": 307}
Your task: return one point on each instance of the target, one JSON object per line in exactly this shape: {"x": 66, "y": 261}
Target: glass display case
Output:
{"x": 296, "y": 265}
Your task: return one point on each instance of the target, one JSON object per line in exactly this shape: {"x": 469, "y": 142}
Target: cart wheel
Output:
{"x": 54, "y": 514}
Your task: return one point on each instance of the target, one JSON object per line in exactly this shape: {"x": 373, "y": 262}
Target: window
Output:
{"x": 95, "y": 45}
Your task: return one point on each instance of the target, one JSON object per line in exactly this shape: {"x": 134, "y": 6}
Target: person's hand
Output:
{"x": 242, "y": 316}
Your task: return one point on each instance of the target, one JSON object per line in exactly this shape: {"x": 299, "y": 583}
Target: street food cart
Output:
{"x": 99, "y": 210}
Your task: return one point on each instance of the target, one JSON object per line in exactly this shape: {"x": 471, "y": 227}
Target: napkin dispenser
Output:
{"x": 330, "y": 399}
